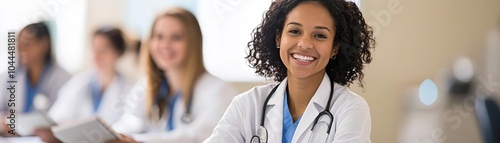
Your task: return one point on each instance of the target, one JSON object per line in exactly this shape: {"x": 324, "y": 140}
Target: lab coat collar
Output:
{"x": 274, "y": 116}
{"x": 316, "y": 105}
{"x": 109, "y": 95}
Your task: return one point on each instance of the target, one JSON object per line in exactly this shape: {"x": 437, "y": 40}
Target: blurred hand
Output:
{"x": 6, "y": 129}
{"x": 124, "y": 139}
{"x": 46, "y": 135}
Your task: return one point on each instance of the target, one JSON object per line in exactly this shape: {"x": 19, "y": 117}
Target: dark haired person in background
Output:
{"x": 97, "y": 92}
{"x": 315, "y": 49}
{"x": 38, "y": 76}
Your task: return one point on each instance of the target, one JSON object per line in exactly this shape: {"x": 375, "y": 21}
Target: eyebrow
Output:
{"x": 316, "y": 27}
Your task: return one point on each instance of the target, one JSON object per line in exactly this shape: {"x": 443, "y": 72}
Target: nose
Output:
{"x": 164, "y": 44}
{"x": 305, "y": 43}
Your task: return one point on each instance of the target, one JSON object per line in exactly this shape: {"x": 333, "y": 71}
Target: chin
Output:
{"x": 300, "y": 74}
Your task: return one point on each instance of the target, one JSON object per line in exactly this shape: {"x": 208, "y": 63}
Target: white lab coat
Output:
{"x": 211, "y": 96}
{"x": 75, "y": 99}
{"x": 55, "y": 77}
{"x": 351, "y": 123}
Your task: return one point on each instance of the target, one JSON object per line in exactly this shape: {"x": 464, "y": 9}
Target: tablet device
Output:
{"x": 27, "y": 123}
{"x": 91, "y": 130}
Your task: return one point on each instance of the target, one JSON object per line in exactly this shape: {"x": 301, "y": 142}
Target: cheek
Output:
{"x": 326, "y": 52}
{"x": 153, "y": 51}
{"x": 155, "y": 56}
{"x": 286, "y": 44}
{"x": 284, "y": 55}
{"x": 181, "y": 49}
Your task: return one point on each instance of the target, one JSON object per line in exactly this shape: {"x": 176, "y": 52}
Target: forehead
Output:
{"x": 26, "y": 34}
{"x": 311, "y": 13}
{"x": 101, "y": 38}
{"x": 168, "y": 23}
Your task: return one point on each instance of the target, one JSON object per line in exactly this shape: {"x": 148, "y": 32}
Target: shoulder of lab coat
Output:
{"x": 241, "y": 117}
{"x": 352, "y": 118}
{"x": 74, "y": 100}
{"x": 352, "y": 121}
{"x": 56, "y": 77}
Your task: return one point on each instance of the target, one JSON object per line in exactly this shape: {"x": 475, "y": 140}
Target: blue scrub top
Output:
{"x": 163, "y": 94}
{"x": 96, "y": 92}
{"x": 288, "y": 125}
{"x": 32, "y": 90}
{"x": 170, "y": 125}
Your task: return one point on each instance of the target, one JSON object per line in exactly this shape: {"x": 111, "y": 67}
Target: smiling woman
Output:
{"x": 349, "y": 36}
{"x": 315, "y": 49}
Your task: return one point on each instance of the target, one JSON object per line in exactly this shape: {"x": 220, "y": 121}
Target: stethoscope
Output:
{"x": 261, "y": 136}
{"x": 186, "y": 118}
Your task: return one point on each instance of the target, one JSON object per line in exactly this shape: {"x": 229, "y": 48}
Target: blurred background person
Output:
{"x": 38, "y": 75}
{"x": 178, "y": 101}
{"x": 97, "y": 92}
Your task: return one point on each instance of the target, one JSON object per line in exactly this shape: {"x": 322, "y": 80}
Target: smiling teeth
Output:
{"x": 302, "y": 57}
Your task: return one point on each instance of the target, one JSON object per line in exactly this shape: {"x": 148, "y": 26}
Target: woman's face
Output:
{"x": 168, "y": 44}
{"x": 105, "y": 55}
{"x": 31, "y": 49}
{"x": 307, "y": 40}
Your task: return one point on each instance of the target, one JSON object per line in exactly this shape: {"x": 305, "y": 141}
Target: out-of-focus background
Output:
{"x": 433, "y": 57}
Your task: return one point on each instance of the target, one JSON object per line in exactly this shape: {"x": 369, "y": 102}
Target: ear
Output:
{"x": 335, "y": 50}
{"x": 278, "y": 37}
{"x": 45, "y": 43}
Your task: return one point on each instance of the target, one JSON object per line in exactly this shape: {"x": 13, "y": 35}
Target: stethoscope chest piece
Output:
{"x": 187, "y": 118}
{"x": 261, "y": 136}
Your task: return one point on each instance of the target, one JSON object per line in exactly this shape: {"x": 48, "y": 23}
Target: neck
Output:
{"x": 174, "y": 80}
{"x": 105, "y": 78}
{"x": 301, "y": 91}
{"x": 35, "y": 73}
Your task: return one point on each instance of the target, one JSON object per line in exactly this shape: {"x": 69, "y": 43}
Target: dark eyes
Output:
{"x": 158, "y": 36}
{"x": 320, "y": 36}
{"x": 174, "y": 37}
{"x": 297, "y": 32}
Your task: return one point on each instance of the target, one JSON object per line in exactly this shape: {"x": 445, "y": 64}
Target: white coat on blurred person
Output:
{"x": 211, "y": 97}
{"x": 37, "y": 75}
{"x": 178, "y": 101}
{"x": 96, "y": 92}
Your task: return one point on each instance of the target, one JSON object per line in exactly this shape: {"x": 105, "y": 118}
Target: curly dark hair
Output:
{"x": 353, "y": 37}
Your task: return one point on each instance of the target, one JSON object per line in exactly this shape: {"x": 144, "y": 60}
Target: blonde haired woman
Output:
{"x": 178, "y": 101}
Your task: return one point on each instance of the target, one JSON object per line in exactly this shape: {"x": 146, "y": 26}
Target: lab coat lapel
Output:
{"x": 274, "y": 115}
{"x": 108, "y": 101}
{"x": 315, "y": 106}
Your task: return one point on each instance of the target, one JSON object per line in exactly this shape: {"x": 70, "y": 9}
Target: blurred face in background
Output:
{"x": 168, "y": 44}
{"x": 32, "y": 50}
{"x": 104, "y": 54}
